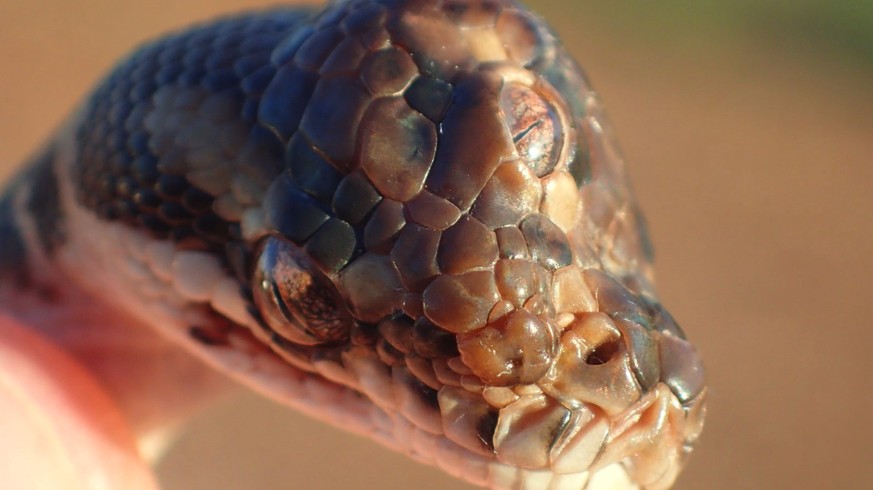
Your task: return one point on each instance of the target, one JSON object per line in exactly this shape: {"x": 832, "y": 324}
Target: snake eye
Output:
{"x": 535, "y": 127}
{"x": 295, "y": 299}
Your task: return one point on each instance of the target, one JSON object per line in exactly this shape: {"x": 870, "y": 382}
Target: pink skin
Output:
{"x": 60, "y": 427}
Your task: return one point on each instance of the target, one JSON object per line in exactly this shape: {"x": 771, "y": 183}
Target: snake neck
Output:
{"x": 157, "y": 384}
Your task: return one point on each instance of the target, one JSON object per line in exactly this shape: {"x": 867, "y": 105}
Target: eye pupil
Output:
{"x": 525, "y": 132}
{"x": 295, "y": 300}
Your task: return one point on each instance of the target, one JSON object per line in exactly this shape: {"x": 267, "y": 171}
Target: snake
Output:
{"x": 406, "y": 218}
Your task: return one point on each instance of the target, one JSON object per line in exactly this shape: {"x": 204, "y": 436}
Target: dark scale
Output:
{"x": 119, "y": 175}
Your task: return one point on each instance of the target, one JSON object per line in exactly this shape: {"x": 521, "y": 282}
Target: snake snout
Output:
{"x": 571, "y": 387}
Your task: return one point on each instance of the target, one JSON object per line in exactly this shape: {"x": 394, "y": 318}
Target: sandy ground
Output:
{"x": 754, "y": 166}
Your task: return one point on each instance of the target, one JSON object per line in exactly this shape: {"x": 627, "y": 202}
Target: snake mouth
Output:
{"x": 494, "y": 436}
{"x": 650, "y": 439}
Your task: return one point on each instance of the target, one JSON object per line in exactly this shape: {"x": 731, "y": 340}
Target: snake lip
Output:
{"x": 537, "y": 432}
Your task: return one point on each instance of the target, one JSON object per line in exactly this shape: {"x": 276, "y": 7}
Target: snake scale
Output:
{"x": 404, "y": 217}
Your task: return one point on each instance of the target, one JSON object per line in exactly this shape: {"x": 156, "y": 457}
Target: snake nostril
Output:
{"x": 603, "y": 353}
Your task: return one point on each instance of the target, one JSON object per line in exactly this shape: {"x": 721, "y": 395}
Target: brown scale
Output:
{"x": 466, "y": 246}
{"x": 388, "y": 71}
{"x": 385, "y": 223}
{"x": 414, "y": 255}
{"x": 460, "y": 303}
{"x": 512, "y": 193}
{"x": 432, "y": 211}
{"x": 398, "y": 146}
{"x": 518, "y": 280}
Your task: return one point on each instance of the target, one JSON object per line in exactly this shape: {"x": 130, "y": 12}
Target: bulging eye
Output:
{"x": 535, "y": 127}
{"x": 295, "y": 299}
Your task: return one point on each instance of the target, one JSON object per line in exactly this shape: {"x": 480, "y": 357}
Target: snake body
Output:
{"x": 405, "y": 217}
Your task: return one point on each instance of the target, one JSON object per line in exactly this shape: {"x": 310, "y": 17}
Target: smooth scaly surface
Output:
{"x": 407, "y": 218}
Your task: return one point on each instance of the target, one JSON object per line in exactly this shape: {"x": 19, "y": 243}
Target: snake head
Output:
{"x": 433, "y": 229}
{"x": 464, "y": 249}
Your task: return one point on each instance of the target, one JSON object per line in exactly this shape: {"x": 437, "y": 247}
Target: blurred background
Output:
{"x": 748, "y": 128}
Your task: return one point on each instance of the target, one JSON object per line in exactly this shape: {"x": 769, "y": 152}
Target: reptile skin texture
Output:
{"x": 412, "y": 210}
